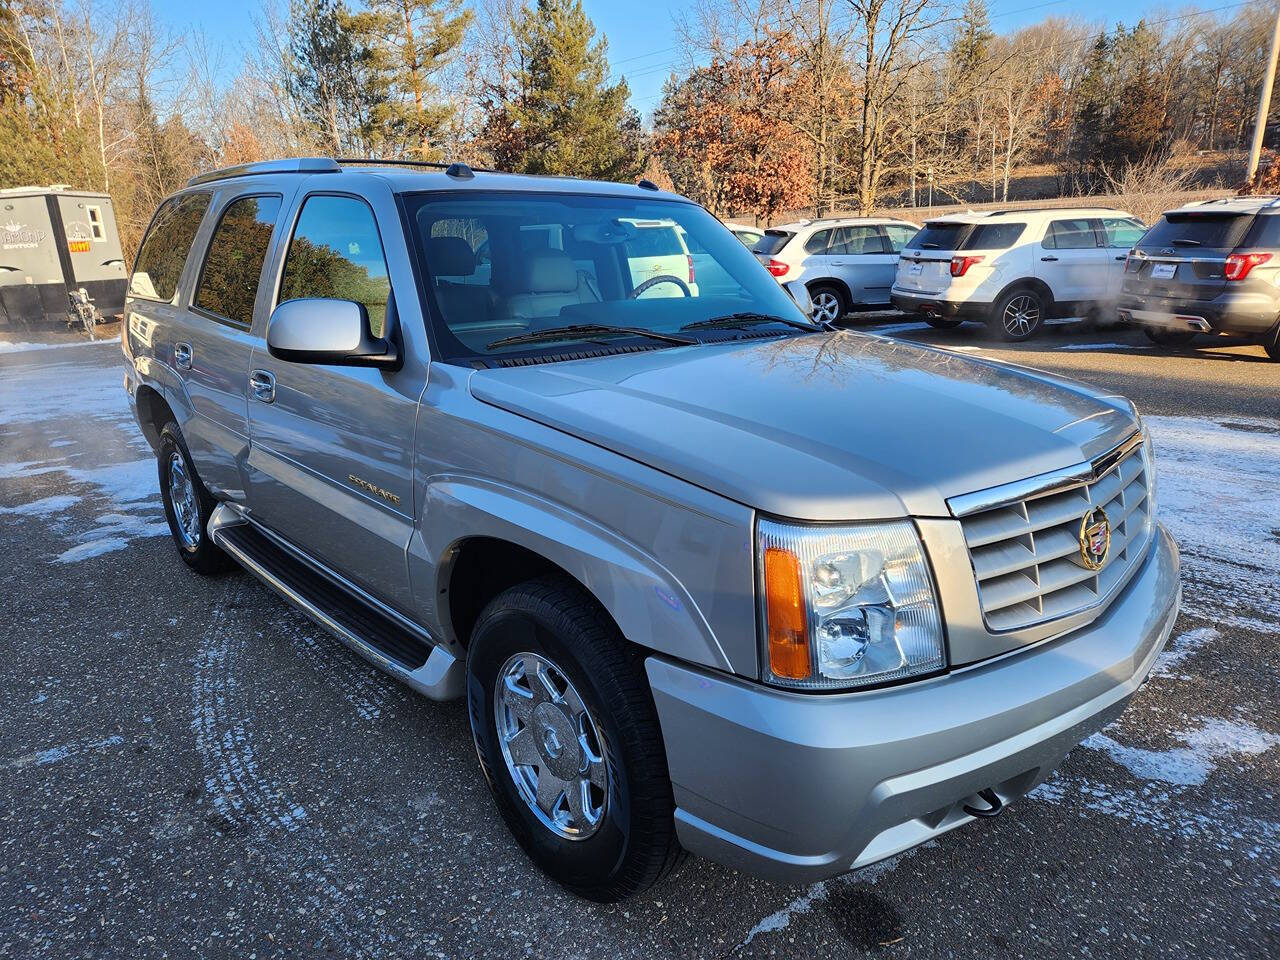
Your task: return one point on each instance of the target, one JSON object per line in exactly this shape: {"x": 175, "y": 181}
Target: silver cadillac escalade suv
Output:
{"x": 711, "y": 578}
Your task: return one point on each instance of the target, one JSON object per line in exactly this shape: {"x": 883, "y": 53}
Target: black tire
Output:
{"x": 1271, "y": 343}
{"x": 635, "y": 844}
{"x": 194, "y": 546}
{"x": 829, "y": 293}
{"x": 1018, "y": 315}
{"x": 1169, "y": 338}
{"x": 939, "y": 322}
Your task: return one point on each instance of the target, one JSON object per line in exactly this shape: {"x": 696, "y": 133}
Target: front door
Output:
{"x": 331, "y": 460}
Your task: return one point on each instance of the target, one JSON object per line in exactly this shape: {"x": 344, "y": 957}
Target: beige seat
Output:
{"x": 545, "y": 282}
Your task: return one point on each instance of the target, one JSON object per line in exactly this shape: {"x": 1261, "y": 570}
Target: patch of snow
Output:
{"x": 1181, "y": 648}
{"x": 8, "y": 346}
{"x": 44, "y": 507}
{"x": 1191, "y": 765}
{"x": 1097, "y": 346}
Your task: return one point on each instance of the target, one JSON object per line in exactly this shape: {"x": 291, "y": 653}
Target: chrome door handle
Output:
{"x": 182, "y": 356}
{"x": 1048, "y": 259}
{"x": 263, "y": 386}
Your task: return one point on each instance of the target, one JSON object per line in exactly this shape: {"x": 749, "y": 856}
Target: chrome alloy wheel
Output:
{"x": 1021, "y": 316}
{"x": 182, "y": 494}
{"x": 826, "y": 307}
{"x": 551, "y": 746}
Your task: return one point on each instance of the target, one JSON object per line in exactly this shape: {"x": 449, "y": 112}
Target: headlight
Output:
{"x": 846, "y": 606}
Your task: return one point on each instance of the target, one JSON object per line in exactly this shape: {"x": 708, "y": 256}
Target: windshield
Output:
{"x": 502, "y": 266}
{"x": 939, "y": 236}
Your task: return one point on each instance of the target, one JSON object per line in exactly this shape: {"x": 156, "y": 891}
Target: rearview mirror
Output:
{"x": 321, "y": 330}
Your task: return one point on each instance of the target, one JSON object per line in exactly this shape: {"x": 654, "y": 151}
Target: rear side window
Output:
{"x": 994, "y": 236}
{"x": 819, "y": 242}
{"x": 1074, "y": 234}
{"x": 772, "y": 241}
{"x": 165, "y": 247}
{"x": 336, "y": 252}
{"x": 1122, "y": 232}
{"x": 1266, "y": 232}
{"x": 899, "y": 235}
{"x": 1218, "y": 231}
{"x": 939, "y": 236}
{"x": 858, "y": 240}
{"x": 229, "y": 279}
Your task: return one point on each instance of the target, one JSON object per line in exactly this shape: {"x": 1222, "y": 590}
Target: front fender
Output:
{"x": 649, "y": 604}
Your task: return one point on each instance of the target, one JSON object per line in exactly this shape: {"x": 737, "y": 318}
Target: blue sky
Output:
{"x": 642, "y": 43}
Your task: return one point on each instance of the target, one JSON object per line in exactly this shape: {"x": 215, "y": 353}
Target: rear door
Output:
{"x": 817, "y": 258}
{"x": 860, "y": 256}
{"x": 1121, "y": 234}
{"x": 1072, "y": 261}
{"x": 331, "y": 461}
{"x": 1183, "y": 255}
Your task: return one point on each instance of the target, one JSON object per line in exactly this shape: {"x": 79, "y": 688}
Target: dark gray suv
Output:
{"x": 1210, "y": 267}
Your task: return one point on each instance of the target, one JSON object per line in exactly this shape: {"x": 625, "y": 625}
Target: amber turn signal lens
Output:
{"x": 785, "y": 609}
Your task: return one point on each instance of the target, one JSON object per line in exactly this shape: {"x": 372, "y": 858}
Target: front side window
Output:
{"x": 1122, "y": 232}
{"x": 1074, "y": 234}
{"x": 615, "y": 261}
{"x": 165, "y": 247}
{"x": 232, "y": 268}
{"x": 336, "y": 253}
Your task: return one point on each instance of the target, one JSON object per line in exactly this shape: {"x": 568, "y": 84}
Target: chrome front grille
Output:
{"x": 1024, "y": 539}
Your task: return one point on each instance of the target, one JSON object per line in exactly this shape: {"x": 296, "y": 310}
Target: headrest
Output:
{"x": 450, "y": 257}
{"x": 547, "y": 271}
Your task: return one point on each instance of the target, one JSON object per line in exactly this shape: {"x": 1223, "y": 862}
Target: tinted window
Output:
{"x": 819, "y": 242}
{"x": 165, "y": 247}
{"x": 655, "y": 242}
{"x": 1075, "y": 234}
{"x": 899, "y": 235}
{"x": 229, "y": 279}
{"x": 858, "y": 240}
{"x": 336, "y": 252}
{"x": 1122, "y": 232}
{"x": 1197, "y": 230}
{"x": 1266, "y": 233}
{"x": 772, "y": 241}
{"x": 994, "y": 236}
{"x": 939, "y": 236}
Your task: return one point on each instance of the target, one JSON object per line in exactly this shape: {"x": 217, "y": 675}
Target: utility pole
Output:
{"x": 1264, "y": 101}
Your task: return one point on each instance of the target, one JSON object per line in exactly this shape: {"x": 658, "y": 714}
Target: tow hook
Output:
{"x": 995, "y": 808}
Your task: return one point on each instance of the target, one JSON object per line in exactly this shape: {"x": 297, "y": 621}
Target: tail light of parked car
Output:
{"x": 690, "y": 259}
{"x": 960, "y": 265}
{"x": 777, "y": 267}
{"x": 1132, "y": 264}
{"x": 1238, "y": 265}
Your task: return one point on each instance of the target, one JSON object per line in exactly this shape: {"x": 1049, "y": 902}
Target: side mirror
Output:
{"x": 321, "y": 330}
{"x": 800, "y": 294}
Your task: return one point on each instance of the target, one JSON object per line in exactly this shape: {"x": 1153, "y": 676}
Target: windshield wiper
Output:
{"x": 586, "y": 331}
{"x": 1186, "y": 242}
{"x": 747, "y": 318}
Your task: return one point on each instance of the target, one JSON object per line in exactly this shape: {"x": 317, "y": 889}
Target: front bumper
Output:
{"x": 797, "y": 787}
{"x": 1248, "y": 312}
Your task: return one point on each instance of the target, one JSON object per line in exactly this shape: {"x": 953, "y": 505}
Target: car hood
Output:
{"x": 821, "y": 427}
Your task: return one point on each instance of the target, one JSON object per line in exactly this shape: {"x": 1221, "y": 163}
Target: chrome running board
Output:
{"x": 384, "y": 639}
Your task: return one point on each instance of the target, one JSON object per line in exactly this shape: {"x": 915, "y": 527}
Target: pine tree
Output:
{"x": 410, "y": 41}
{"x": 562, "y": 116}
{"x": 1093, "y": 99}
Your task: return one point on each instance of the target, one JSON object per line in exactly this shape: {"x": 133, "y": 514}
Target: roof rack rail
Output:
{"x": 1057, "y": 207}
{"x": 454, "y": 165}
{"x": 292, "y": 165}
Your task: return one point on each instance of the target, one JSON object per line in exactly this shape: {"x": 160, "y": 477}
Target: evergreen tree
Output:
{"x": 1093, "y": 99}
{"x": 971, "y": 46}
{"x": 410, "y": 41}
{"x": 562, "y": 117}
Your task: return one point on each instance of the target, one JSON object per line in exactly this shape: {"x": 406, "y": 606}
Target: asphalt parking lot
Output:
{"x": 189, "y": 768}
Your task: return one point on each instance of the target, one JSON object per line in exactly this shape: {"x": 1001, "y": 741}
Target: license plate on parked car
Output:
{"x": 915, "y": 268}
{"x": 1163, "y": 271}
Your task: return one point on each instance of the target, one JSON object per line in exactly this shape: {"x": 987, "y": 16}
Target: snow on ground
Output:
{"x": 8, "y": 346}
{"x": 68, "y": 424}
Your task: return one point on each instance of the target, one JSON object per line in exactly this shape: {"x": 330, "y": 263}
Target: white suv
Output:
{"x": 844, "y": 263}
{"x": 1013, "y": 268}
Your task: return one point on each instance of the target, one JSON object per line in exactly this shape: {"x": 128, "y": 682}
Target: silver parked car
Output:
{"x": 693, "y": 604}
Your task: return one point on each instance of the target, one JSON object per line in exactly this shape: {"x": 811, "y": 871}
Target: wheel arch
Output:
{"x": 153, "y": 413}
{"x": 839, "y": 284}
{"x": 482, "y": 538}
{"x": 1027, "y": 283}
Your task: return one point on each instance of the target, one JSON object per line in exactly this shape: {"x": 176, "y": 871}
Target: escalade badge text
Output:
{"x": 386, "y": 495}
{"x": 1095, "y": 538}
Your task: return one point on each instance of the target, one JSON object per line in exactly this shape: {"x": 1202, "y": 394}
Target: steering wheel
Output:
{"x": 654, "y": 281}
